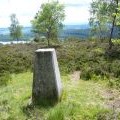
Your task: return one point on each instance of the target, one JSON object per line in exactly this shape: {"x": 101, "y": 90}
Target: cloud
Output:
{"x": 25, "y": 11}
{"x": 77, "y": 11}
{"x": 76, "y": 15}
{"x": 80, "y": 2}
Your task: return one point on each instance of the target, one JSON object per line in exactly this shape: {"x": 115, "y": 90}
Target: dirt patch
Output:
{"x": 112, "y": 99}
{"x": 75, "y": 76}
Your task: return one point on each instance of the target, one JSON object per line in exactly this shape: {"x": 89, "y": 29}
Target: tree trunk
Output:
{"x": 111, "y": 33}
{"x": 48, "y": 38}
{"x": 113, "y": 25}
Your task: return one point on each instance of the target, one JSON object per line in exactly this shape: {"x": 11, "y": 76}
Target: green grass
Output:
{"x": 81, "y": 100}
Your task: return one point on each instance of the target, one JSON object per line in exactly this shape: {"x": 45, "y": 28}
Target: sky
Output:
{"x": 76, "y": 11}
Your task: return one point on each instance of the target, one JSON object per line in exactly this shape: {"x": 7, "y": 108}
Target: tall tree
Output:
{"x": 15, "y": 28}
{"x": 48, "y": 20}
{"x": 98, "y": 19}
{"x": 104, "y": 13}
{"x": 115, "y": 12}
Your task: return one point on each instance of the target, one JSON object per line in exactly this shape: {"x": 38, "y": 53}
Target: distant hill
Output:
{"x": 83, "y": 26}
{"x": 77, "y": 31}
{"x": 27, "y": 30}
{"x": 5, "y": 31}
{"x": 80, "y": 31}
{"x": 5, "y": 35}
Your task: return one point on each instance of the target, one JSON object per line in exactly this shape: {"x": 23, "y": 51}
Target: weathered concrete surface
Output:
{"x": 46, "y": 77}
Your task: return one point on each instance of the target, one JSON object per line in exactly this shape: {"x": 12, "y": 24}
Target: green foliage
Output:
{"x": 104, "y": 13}
{"x": 89, "y": 57}
{"x": 15, "y": 59}
{"x": 15, "y": 28}
{"x": 49, "y": 20}
{"x": 98, "y": 19}
{"x": 116, "y": 41}
{"x": 87, "y": 74}
{"x": 5, "y": 77}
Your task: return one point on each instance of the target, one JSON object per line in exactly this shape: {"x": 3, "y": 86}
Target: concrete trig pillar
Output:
{"x": 46, "y": 77}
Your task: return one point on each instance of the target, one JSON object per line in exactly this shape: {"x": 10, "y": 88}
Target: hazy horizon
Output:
{"x": 85, "y": 24}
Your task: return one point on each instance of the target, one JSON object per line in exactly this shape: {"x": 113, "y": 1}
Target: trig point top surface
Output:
{"x": 45, "y": 50}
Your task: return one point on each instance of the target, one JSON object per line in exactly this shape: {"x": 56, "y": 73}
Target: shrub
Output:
{"x": 90, "y": 57}
{"x": 16, "y": 59}
{"x": 115, "y": 68}
{"x": 86, "y": 74}
{"x": 4, "y": 78}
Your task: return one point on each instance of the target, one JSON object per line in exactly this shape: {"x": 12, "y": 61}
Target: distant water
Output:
{"x": 27, "y": 30}
{"x": 13, "y": 42}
